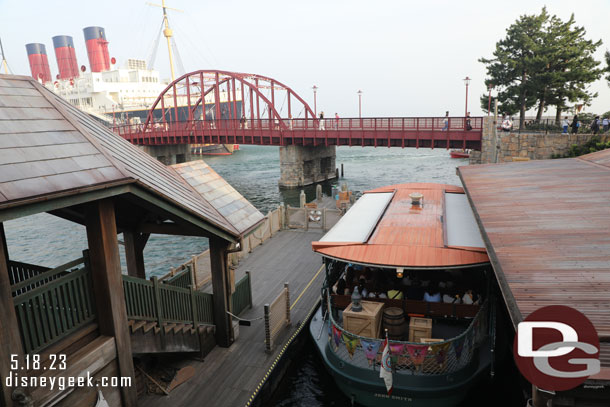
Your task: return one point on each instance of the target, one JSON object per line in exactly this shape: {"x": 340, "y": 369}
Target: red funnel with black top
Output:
{"x": 39, "y": 63}
{"x": 66, "y": 57}
{"x": 97, "y": 49}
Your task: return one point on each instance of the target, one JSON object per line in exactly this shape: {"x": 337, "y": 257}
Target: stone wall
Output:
{"x": 300, "y": 166}
{"x": 533, "y": 146}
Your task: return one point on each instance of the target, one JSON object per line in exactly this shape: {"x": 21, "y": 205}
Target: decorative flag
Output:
{"x": 417, "y": 353}
{"x": 370, "y": 349}
{"x": 397, "y": 349}
{"x": 386, "y": 367}
{"x": 458, "y": 346}
{"x": 440, "y": 351}
{"x": 336, "y": 336}
{"x": 351, "y": 343}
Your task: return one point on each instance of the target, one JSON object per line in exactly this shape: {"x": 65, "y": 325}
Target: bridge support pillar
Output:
{"x": 169, "y": 154}
{"x": 306, "y": 165}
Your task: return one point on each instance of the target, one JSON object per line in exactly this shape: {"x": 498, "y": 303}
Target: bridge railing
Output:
{"x": 374, "y": 123}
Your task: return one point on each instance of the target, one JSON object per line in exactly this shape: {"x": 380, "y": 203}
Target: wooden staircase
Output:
{"x": 148, "y": 337}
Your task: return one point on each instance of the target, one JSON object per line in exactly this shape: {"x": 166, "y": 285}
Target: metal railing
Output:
{"x": 154, "y": 301}
{"x": 53, "y": 304}
{"x": 410, "y": 358}
{"x": 242, "y": 297}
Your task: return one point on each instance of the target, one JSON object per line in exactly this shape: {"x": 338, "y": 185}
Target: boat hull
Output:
{"x": 366, "y": 388}
{"x": 456, "y": 154}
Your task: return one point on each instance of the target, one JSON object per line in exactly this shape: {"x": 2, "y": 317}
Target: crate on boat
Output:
{"x": 365, "y": 323}
{"x": 419, "y": 328}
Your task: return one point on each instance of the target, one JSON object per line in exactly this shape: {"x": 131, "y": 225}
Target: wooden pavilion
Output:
{"x": 56, "y": 159}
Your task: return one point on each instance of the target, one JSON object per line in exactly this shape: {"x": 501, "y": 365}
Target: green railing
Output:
{"x": 165, "y": 303}
{"x": 183, "y": 279}
{"x": 242, "y": 297}
{"x": 53, "y": 304}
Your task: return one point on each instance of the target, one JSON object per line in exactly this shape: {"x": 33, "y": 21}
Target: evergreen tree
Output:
{"x": 516, "y": 60}
{"x": 543, "y": 61}
{"x": 608, "y": 66}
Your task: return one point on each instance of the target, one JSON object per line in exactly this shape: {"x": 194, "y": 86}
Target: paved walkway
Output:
{"x": 229, "y": 376}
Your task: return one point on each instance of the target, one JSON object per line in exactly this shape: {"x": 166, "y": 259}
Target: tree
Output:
{"x": 543, "y": 61}
{"x": 516, "y": 59}
{"x": 608, "y": 66}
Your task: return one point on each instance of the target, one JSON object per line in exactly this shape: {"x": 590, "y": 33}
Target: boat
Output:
{"x": 398, "y": 242}
{"x": 459, "y": 153}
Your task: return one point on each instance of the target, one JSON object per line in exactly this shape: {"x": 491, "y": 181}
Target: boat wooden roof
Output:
{"x": 545, "y": 224}
{"x": 408, "y": 236}
{"x": 48, "y": 149}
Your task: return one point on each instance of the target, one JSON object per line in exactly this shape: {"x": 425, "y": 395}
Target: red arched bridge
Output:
{"x": 220, "y": 107}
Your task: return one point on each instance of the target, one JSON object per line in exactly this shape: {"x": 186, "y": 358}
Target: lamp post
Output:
{"x": 359, "y": 104}
{"x": 489, "y": 86}
{"x": 466, "y": 82}
{"x": 315, "y": 110}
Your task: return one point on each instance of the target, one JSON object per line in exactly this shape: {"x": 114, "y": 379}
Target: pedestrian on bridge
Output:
{"x": 336, "y": 121}
{"x": 321, "y": 125}
{"x": 446, "y": 121}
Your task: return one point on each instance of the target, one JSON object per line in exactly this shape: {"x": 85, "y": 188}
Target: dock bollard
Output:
{"x": 341, "y": 170}
{"x": 302, "y": 199}
{"x": 319, "y": 192}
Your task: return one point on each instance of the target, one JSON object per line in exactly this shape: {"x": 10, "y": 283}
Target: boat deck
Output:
{"x": 233, "y": 376}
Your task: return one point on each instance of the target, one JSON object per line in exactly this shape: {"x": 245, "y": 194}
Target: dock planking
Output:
{"x": 230, "y": 376}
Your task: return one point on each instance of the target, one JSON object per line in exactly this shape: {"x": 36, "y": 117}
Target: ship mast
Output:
{"x": 167, "y": 33}
{"x": 4, "y": 64}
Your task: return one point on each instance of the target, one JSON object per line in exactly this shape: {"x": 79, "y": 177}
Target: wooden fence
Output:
{"x": 311, "y": 218}
{"x": 153, "y": 301}
{"x": 242, "y": 297}
{"x": 53, "y": 304}
{"x": 277, "y": 316}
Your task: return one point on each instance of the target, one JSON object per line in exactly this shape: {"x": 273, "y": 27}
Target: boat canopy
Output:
{"x": 385, "y": 229}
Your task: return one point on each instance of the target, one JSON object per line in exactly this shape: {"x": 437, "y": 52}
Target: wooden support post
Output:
{"x": 249, "y": 288}
{"x": 194, "y": 272}
{"x": 134, "y": 252}
{"x": 287, "y": 288}
{"x": 10, "y": 337}
{"x": 221, "y": 291}
{"x": 267, "y": 329}
{"x": 108, "y": 284}
{"x": 270, "y": 217}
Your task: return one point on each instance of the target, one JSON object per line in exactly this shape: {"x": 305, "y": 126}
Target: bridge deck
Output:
{"x": 230, "y": 376}
{"x": 374, "y": 132}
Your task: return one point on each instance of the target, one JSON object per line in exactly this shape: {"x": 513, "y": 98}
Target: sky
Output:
{"x": 409, "y": 58}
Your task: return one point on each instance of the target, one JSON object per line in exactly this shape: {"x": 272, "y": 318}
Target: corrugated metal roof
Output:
{"x": 48, "y": 146}
{"x": 406, "y": 235}
{"x": 546, "y": 226}
{"x": 220, "y": 194}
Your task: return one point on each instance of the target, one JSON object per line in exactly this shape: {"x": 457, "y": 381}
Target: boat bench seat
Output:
{"x": 428, "y": 309}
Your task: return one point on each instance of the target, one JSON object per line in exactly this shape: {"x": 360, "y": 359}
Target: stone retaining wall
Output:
{"x": 534, "y": 146}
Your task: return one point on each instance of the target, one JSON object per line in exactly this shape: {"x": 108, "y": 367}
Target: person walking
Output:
{"x": 565, "y": 124}
{"x": 575, "y": 124}
{"x": 468, "y": 123}
{"x": 606, "y": 124}
{"x": 336, "y": 121}
{"x": 321, "y": 124}
{"x": 595, "y": 125}
{"x": 446, "y": 121}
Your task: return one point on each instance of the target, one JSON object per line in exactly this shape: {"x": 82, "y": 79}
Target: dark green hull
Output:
{"x": 366, "y": 388}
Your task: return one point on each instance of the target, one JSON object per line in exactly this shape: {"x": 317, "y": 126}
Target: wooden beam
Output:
{"x": 221, "y": 291}
{"x": 134, "y": 252}
{"x": 108, "y": 284}
{"x": 10, "y": 338}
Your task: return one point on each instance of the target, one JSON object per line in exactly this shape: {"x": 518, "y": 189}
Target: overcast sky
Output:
{"x": 408, "y": 57}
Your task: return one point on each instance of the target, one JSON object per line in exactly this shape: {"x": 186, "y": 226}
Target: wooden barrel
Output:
{"x": 394, "y": 322}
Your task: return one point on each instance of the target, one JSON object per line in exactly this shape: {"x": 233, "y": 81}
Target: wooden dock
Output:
{"x": 234, "y": 376}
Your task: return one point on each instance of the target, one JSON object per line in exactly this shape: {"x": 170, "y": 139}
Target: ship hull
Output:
{"x": 365, "y": 387}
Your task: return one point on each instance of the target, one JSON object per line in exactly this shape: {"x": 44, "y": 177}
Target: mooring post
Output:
{"x": 319, "y": 192}
{"x": 287, "y": 287}
{"x": 249, "y": 288}
{"x": 302, "y": 199}
{"x": 267, "y": 330}
{"x": 341, "y": 170}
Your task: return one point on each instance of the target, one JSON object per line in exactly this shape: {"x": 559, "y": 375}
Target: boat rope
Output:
{"x": 244, "y": 319}
{"x": 155, "y": 47}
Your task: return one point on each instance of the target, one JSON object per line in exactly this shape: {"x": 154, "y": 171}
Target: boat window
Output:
{"x": 360, "y": 221}
{"x": 462, "y": 228}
